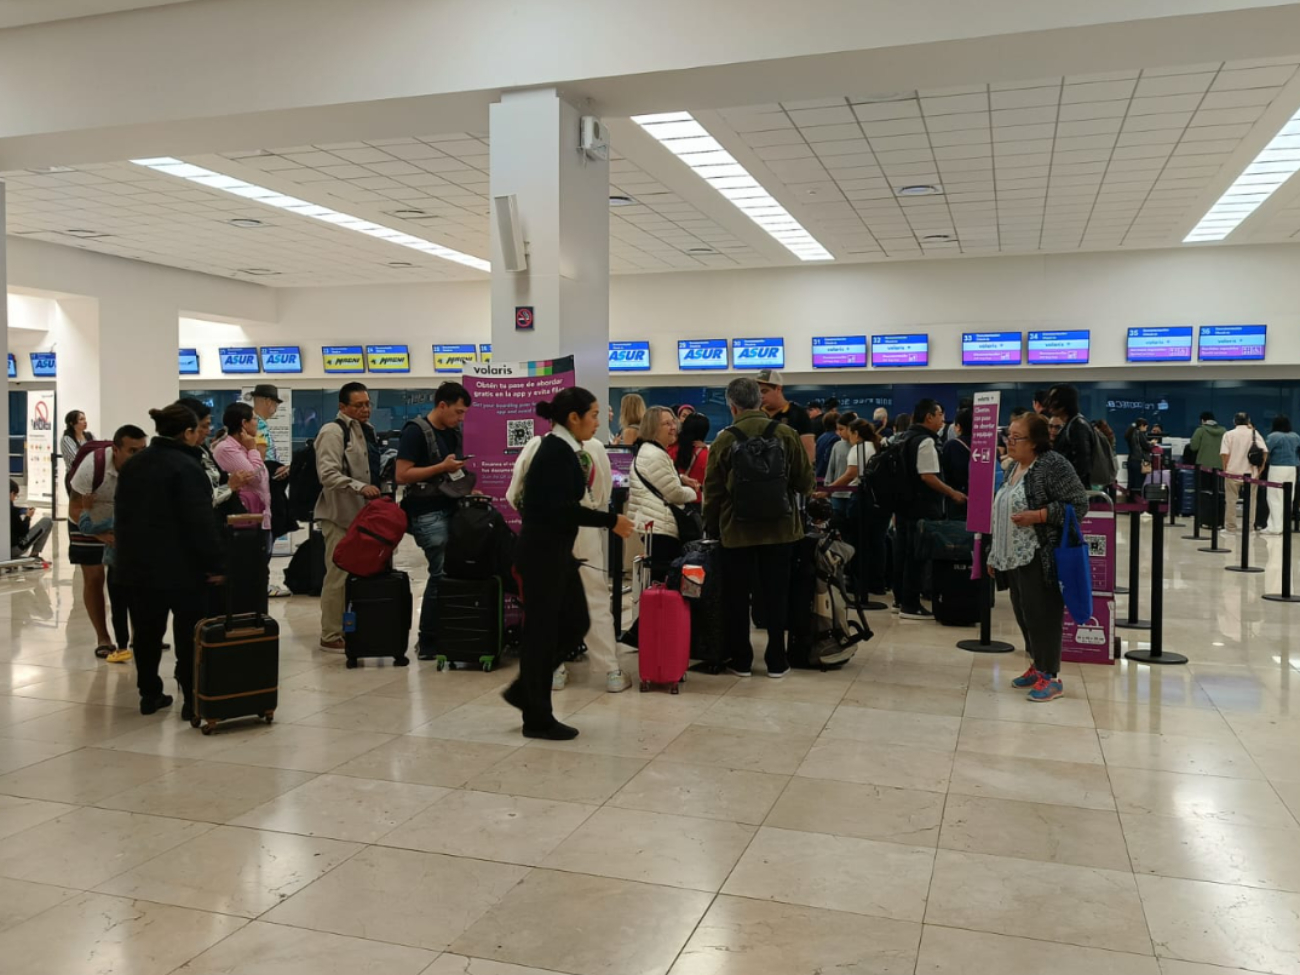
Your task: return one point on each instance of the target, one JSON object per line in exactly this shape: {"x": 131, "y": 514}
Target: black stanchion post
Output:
{"x": 1245, "y": 533}
{"x": 862, "y": 544}
{"x": 1215, "y": 503}
{"x": 986, "y": 643}
{"x": 1131, "y": 622}
{"x": 1156, "y": 654}
{"x": 1173, "y": 508}
{"x": 1195, "y": 536}
{"x": 1285, "y": 595}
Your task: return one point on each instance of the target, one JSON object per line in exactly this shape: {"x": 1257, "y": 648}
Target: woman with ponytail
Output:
{"x": 555, "y": 603}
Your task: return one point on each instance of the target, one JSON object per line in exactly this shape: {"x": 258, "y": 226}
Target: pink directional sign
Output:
{"x": 983, "y": 462}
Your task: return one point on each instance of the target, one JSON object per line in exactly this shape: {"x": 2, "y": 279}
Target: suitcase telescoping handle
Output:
{"x": 250, "y": 622}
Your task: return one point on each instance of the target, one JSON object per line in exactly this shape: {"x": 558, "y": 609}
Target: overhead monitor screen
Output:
{"x": 43, "y": 365}
{"x": 1171, "y": 343}
{"x": 388, "y": 358}
{"x": 758, "y": 353}
{"x": 697, "y": 354}
{"x": 342, "y": 358}
{"x": 1070, "y": 346}
{"x": 1232, "y": 343}
{"x": 839, "y": 352}
{"x": 239, "y": 360}
{"x": 13, "y": 366}
{"x": 900, "y": 350}
{"x": 189, "y": 362}
{"x": 991, "y": 348}
{"x": 629, "y": 356}
{"x": 452, "y": 358}
{"x": 485, "y": 353}
{"x": 281, "y": 358}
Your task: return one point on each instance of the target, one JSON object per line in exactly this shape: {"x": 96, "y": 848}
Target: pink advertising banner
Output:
{"x": 983, "y": 462}
{"x": 1091, "y": 642}
{"x": 504, "y": 418}
{"x": 1098, "y": 529}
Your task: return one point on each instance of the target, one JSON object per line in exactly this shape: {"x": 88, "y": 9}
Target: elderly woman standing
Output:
{"x": 1028, "y": 520}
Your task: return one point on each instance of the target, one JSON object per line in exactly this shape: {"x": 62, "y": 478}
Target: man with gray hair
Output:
{"x": 757, "y": 467}
{"x": 881, "y": 419}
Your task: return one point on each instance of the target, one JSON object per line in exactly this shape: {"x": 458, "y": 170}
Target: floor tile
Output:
{"x": 14, "y": 710}
{"x": 1197, "y": 849}
{"x": 1032, "y": 780}
{"x": 82, "y": 725}
{"x": 22, "y": 899}
{"x": 232, "y": 871}
{"x": 18, "y": 814}
{"x": 938, "y": 732}
{"x": 208, "y": 791}
{"x": 305, "y": 749}
{"x": 18, "y": 753}
{"x": 808, "y": 687}
{"x": 1089, "y": 907}
{"x": 544, "y": 773}
{"x": 1221, "y": 924}
{"x": 618, "y": 733}
{"x": 426, "y": 761}
{"x": 1171, "y": 966}
{"x": 1237, "y": 802}
{"x": 1153, "y": 719}
{"x": 1177, "y": 753}
{"x": 905, "y": 697}
{"x": 449, "y": 964}
{"x": 424, "y": 900}
{"x": 739, "y": 936}
{"x": 343, "y": 808}
{"x": 891, "y": 765}
{"x": 869, "y": 812}
{"x": 778, "y": 717}
{"x": 475, "y": 722}
{"x": 752, "y": 751}
{"x": 653, "y": 923}
{"x": 176, "y": 739}
{"x": 698, "y": 790}
{"x": 1008, "y": 704}
{"x": 1017, "y": 739}
{"x": 111, "y": 936}
{"x": 948, "y": 951}
{"x": 655, "y": 848}
{"x": 512, "y": 829}
{"x": 395, "y": 717}
{"x": 88, "y": 846}
{"x": 839, "y": 873}
{"x": 86, "y": 775}
{"x": 1034, "y": 831}
{"x": 273, "y": 949}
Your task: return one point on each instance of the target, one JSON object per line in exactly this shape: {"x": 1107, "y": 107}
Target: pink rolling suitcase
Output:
{"x": 665, "y": 638}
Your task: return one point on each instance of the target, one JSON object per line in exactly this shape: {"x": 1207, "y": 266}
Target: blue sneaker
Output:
{"x": 1048, "y": 688}
{"x": 1028, "y": 679}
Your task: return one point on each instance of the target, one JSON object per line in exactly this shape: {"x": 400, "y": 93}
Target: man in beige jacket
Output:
{"x": 343, "y": 466}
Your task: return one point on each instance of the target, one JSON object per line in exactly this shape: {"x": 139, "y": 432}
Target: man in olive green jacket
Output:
{"x": 1206, "y": 442}
{"x": 756, "y": 556}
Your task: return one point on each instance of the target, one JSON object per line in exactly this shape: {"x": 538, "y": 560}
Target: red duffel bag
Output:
{"x": 367, "y": 549}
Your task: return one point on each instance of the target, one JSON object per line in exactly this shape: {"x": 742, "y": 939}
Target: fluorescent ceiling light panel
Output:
{"x": 260, "y": 194}
{"x": 690, "y": 142}
{"x": 1276, "y": 163}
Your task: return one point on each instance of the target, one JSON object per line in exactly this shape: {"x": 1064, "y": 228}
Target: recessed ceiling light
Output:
{"x": 618, "y": 200}
{"x": 257, "y": 272}
{"x": 410, "y": 212}
{"x": 700, "y": 250}
{"x": 937, "y": 238}
{"x": 246, "y": 222}
{"x": 272, "y": 198}
{"x": 919, "y": 189}
{"x": 400, "y": 264}
{"x": 78, "y": 232}
{"x": 1276, "y": 163}
{"x": 691, "y": 142}
{"x": 46, "y": 170}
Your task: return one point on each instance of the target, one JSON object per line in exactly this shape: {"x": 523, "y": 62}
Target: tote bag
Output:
{"x": 1073, "y": 571}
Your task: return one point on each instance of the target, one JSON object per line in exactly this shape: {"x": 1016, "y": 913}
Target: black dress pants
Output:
{"x": 119, "y": 601}
{"x": 150, "y": 608}
{"x": 760, "y": 573}
{"x": 555, "y": 623}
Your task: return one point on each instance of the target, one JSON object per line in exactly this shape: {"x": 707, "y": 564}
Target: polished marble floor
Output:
{"x": 909, "y": 814}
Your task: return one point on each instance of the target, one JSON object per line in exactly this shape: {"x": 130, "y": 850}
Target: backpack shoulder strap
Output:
{"x": 739, "y": 434}
{"x": 430, "y": 438}
{"x": 101, "y": 467}
{"x": 771, "y": 429}
{"x": 347, "y": 434}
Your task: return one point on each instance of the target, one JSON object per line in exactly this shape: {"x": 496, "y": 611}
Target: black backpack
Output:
{"x": 480, "y": 544}
{"x": 304, "y": 480}
{"x": 887, "y": 481}
{"x": 760, "y": 485}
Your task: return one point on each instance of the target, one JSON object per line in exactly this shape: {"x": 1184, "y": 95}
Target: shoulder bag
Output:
{"x": 444, "y": 485}
{"x": 689, "y": 522}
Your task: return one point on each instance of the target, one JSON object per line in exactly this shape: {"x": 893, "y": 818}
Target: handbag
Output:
{"x": 454, "y": 486}
{"x": 1255, "y": 455}
{"x": 1073, "y": 571}
{"x": 689, "y": 521}
{"x": 1189, "y": 455}
{"x": 1146, "y": 467}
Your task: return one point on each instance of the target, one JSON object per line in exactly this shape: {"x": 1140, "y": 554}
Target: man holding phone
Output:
{"x": 431, "y": 465}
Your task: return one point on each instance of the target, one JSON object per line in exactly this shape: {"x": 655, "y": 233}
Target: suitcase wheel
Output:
{"x": 209, "y": 726}
{"x": 351, "y": 663}
{"x": 675, "y": 689}
{"x": 268, "y": 717}
{"x": 402, "y": 661}
{"x": 645, "y": 686}
{"x": 195, "y": 722}
{"x": 487, "y": 663}
{"x": 442, "y": 663}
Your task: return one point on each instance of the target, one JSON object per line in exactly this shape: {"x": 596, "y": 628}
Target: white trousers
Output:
{"x": 1276, "y": 514}
{"x": 601, "y": 644}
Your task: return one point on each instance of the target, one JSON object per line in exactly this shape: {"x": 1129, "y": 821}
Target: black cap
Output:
{"x": 267, "y": 390}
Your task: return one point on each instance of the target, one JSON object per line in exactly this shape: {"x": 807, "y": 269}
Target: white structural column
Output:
{"x": 562, "y": 197}
{"x": 116, "y": 359}
{"x": 4, "y": 348}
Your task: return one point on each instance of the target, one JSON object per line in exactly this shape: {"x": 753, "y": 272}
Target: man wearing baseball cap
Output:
{"x": 775, "y": 405}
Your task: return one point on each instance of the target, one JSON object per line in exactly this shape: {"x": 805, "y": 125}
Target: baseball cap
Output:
{"x": 770, "y": 377}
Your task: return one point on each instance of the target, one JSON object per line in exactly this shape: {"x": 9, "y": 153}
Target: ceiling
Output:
{"x": 1120, "y": 160}
{"x": 19, "y": 13}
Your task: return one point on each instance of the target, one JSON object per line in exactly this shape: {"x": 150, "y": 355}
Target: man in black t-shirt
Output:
{"x": 772, "y": 386}
{"x": 422, "y": 466}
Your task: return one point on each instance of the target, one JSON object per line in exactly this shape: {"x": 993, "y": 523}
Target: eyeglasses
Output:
{"x": 1013, "y": 440}
{"x": 1056, "y": 426}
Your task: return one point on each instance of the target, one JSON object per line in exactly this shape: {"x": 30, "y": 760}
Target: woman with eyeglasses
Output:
{"x": 1028, "y": 520}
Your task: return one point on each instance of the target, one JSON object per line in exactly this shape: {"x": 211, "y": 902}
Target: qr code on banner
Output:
{"x": 518, "y": 433}
{"x": 1096, "y": 546}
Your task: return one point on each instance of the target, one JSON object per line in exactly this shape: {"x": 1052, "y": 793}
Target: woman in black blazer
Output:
{"x": 555, "y": 604}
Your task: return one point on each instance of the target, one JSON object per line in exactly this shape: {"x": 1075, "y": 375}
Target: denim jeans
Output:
{"x": 431, "y": 531}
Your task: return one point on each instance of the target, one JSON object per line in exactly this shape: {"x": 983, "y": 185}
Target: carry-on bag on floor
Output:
{"x": 236, "y": 669}
{"x": 835, "y": 627}
{"x": 703, "y": 599}
{"x": 1205, "y": 505}
{"x": 803, "y": 592}
{"x": 956, "y": 596}
{"x": 305, "y": 575}
{"x": 470, "y": 625}
{"x": 1186, "y": 492}
{"x": 664, "y": 624}
{"x": 378, "y": 618}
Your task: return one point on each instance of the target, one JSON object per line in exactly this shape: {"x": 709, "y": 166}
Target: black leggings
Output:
{"x": 119, "y": 598}
{"x": 555, "y": 622}
{"x": 149, "y": 611}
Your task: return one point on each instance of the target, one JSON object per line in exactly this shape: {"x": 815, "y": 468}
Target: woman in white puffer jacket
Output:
{"x": 655, "y": 484}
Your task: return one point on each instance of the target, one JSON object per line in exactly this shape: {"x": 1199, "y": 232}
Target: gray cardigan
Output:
{"x": 1052, "y": 483}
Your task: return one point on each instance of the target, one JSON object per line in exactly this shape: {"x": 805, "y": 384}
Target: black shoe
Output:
{"x": 514, "y": 696}
{"x": 187, "y": 711}
{"x": 149, "y": 705}
{"x": 555, "y": 731}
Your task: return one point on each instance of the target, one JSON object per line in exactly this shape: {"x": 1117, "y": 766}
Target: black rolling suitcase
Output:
{"x": 470, "y": 627}
{"x": 247, "y": 573}
{"x": 377, "y": 622}
{"x": 704, "y": 600}
{"x": 236, "y": 669}
{"x": 305, "y": 575}
{"x": 955, "y": 596}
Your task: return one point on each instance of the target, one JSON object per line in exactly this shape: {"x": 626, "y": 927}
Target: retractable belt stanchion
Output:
{"x": 1155, "y": 493}
{"x": 986, "y": 643}
{"x": 1285, "y": 596}
{"x": 1215, "y": 503}
{"x": 863, "y": 592}
{"x": 1195, "y": 536}
{"x": 616, "y": 565}
{"x": 1245, "y": 566}
{"x": 1119, "y": 590}
{"x": 1131, "y": 621}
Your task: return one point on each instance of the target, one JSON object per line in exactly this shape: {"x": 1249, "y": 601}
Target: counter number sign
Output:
{"x": 524, "y": 318}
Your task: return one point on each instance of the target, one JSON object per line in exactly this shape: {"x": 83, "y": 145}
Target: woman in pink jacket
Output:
{"x": 237, "y": 451}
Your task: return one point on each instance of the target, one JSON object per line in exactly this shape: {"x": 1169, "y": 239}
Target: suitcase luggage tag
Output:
{"x": 349, "y": 622}
{"x": 693, "y": 581}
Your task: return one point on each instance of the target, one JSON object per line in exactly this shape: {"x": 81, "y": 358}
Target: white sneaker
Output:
{"x": 560, "y": 678}
{"x": 277, "y": 592}
{"x": 616, "y": 682}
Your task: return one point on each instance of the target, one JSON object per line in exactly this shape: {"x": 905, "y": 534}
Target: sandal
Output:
{"x": 104, "y": 649}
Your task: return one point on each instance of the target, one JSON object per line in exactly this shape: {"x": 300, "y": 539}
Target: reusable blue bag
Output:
{"x": 1073, "y": 571}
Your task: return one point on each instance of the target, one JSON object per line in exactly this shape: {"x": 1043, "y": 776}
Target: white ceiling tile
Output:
{"x": 1089, "y": 110}
{"x": 1083, "y": 156}
{"x": 765, "y": 122}
{"x": 1080, "y": 79}
{"x": 821, "y": 116}
{"x": 889, "y": 160}
{"x": 1025, "y": 97}
{"x": 1272, "y": 77}
{"x": 962, "y": 137}
{"x": 1084, "y": 142}
{"x": 1156, "y": 137}
{"x": 946, "y": 153}
{"x": 830, "y": 133}
{"x": 801, "y": 151}
{"x": 896, "y": 142}
{"x": 1228, "y": 116}
{"x": 954, "y": 123}
{"x": 1157, "y": 120}
{"x": 1001, "y": 149}
{"x": 1097, "y": 91}
{"x": 1097, "y": 126}
{"x": 774, "y": 137}
{"x": 1207, "y": 146}
{"x": 1239, "y": 99}
{"x": 362, "y": 154}
{"x": 858, "y": 148}
{"x": 883, "y": 111}
{"x": 955, "y": 104}
{"x": 891, "y": 127}
{"x": 1164, "y": 103}
{"x": 1203, "y": 132}
{"x": 815, "y": 103}
{"x": 1024, "y": 133}
{"x": 1182, "y": 84}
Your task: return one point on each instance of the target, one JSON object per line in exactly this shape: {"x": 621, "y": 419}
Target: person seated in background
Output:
{"x": 826, "y": 442}
{"x": 26, "y": 539}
